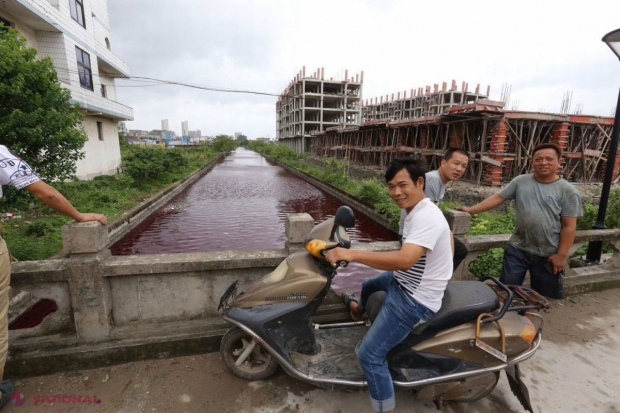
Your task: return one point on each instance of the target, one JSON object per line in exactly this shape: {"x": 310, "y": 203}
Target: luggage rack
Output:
{"x": 523, "y": 298}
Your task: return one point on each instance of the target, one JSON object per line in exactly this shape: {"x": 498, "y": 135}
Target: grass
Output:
{"x": 37, "y": 236}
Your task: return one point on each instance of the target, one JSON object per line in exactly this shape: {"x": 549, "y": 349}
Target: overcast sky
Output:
{"x": 541, "y": 48}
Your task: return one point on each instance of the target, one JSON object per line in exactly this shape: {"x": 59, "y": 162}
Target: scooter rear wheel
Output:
{"x": 259, "y": 364}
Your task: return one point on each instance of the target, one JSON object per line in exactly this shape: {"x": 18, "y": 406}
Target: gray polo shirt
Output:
{"x": 538, "y": 211}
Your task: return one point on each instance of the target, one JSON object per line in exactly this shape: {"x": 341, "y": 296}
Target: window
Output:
{"x": 100, "y": 130}
{"x": 6, "y": 24}
{"x": 77, "y": 11}
{"x": 85, "y": 73}
{"x": 104, "y": 92}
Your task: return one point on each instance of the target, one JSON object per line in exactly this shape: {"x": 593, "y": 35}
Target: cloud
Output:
{"x": 542, "y": 49}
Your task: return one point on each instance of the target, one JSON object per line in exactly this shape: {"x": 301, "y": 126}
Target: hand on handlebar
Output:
{"x": 339, "y": 257}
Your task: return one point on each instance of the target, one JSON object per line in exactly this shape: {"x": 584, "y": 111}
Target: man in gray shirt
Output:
{"x": 546, "y": 211}
{"x": 453, "y": 166}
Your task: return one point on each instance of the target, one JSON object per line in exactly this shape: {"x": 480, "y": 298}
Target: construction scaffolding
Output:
{"x": 500, "y": 142}
{"x": 422, "y": 102}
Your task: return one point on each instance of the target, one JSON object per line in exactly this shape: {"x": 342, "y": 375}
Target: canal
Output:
{"x": 241, "y": 204}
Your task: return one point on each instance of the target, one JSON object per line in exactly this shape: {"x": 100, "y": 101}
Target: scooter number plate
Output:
{"x": 230, "y": 292}
{"x": 492, "y": 351}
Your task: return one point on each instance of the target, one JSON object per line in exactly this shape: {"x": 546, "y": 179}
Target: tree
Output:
{"x": 36, "y": 119}
{"x": 123, "y": 138}
{"x": 242, "y": 140}
{"x": 224, "y": 143}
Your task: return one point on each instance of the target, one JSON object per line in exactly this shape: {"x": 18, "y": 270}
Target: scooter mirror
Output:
{"x": 345, "y": 217}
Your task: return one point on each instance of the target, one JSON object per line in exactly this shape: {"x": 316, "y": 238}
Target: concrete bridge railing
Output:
{"x": 113, "y": 309}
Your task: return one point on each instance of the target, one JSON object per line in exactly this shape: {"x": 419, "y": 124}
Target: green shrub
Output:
{"x": 145, "y": 163}
{"x": 489, "y": 263}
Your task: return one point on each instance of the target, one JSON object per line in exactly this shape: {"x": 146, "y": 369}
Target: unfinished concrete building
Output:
{"x": 421, "y": 102}
{"x": 500, "y": 142}
{"x": 311, "y": 104}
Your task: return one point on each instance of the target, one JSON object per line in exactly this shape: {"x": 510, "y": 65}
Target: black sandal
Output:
{"x": 348, "y": 297}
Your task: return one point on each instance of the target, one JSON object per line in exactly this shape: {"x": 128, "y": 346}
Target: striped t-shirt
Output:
{"x": 14, "y": 171}
{"x": 426, "y": 280}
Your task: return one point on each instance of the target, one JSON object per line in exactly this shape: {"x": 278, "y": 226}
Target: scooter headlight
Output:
{"x": 315, "y": 247}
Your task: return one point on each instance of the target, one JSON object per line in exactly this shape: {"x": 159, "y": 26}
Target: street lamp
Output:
{"x": 612, "y": 39}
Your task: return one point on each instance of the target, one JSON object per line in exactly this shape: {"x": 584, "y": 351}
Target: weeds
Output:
{"x": 36, "y": 235}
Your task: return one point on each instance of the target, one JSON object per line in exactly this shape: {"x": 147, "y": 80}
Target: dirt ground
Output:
{"x": 576, "y": 331}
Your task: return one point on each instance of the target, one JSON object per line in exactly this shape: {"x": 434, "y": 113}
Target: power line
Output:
{"x": 163, "y": 82}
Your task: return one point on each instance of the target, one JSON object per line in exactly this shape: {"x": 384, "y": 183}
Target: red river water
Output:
{"x": 241, "y": 204}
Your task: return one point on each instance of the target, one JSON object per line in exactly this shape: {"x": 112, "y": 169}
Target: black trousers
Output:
{"x": 460, "y": 252}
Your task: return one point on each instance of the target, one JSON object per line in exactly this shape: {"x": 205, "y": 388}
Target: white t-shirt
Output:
{"x": 426, "y": 280}
{"x": 14, "y": 171}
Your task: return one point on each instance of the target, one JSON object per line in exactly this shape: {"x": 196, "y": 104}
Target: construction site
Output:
{"x": 311, "y": 104}
{"x": 330, "y": 119}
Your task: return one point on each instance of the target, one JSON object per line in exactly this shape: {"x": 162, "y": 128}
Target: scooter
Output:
{"x": 481, "y": 329}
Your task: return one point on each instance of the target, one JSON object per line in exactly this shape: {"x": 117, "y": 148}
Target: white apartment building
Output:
{"x": 75, "y": 34}
{"x": 185, "y": 128}
{"x": 165, "y": 125}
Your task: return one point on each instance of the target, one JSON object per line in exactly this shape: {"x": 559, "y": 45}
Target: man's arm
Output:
{"x": 489, "y": 203}
{"x": 567, "y": 237}
{"x": 55, "y": 200}
{"x": 402, "y": 259}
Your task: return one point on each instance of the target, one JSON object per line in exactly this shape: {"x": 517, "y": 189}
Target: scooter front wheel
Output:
{"x": 245, "y": 357}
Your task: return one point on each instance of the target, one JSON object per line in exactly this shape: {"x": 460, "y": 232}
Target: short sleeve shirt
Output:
{"x": 539, "y": 208}
{"x": 427, "y": 279}
{"x": 14, "y": 171}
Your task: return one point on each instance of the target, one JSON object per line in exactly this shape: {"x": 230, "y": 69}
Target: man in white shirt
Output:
{"x": 15, "y": 172}
{"x": 415, "y": 277}
{"x": 453, "y": 166}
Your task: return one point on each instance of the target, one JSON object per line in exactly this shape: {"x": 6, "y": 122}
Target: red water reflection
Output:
{"x": 241, "y": 204}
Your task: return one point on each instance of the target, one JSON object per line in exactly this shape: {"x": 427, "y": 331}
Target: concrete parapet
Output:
{"x": 458, "y": 221}
{"x": 296, "y": 228}
{"x": 116, "y": 309}
{"x": 84, "y": 238}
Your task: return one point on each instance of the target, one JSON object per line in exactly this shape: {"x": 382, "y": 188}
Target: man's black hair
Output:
{"x": 452, "y": 151}
{"x": 416, "y": 166}
{"x": 553, "y": 146}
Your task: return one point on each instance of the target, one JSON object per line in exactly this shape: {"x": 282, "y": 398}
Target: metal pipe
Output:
{"x": 595, "y": 248}
{"x": 335, "y": 325}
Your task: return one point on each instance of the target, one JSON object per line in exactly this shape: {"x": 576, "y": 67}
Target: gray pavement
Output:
{"x": 575, "y": 370}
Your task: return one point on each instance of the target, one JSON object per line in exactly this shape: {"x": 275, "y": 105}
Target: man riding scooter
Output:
{"x": 414, "y": 277}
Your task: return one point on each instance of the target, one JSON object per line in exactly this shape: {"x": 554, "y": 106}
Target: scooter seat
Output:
{"x": 462, "y": 302}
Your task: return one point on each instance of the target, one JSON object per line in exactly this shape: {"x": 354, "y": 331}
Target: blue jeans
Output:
{"x": 517, "y": 262}
{"x": 399, "y": 314}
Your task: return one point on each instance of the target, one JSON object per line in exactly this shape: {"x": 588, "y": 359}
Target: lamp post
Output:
{"x": 612, "y": 39}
